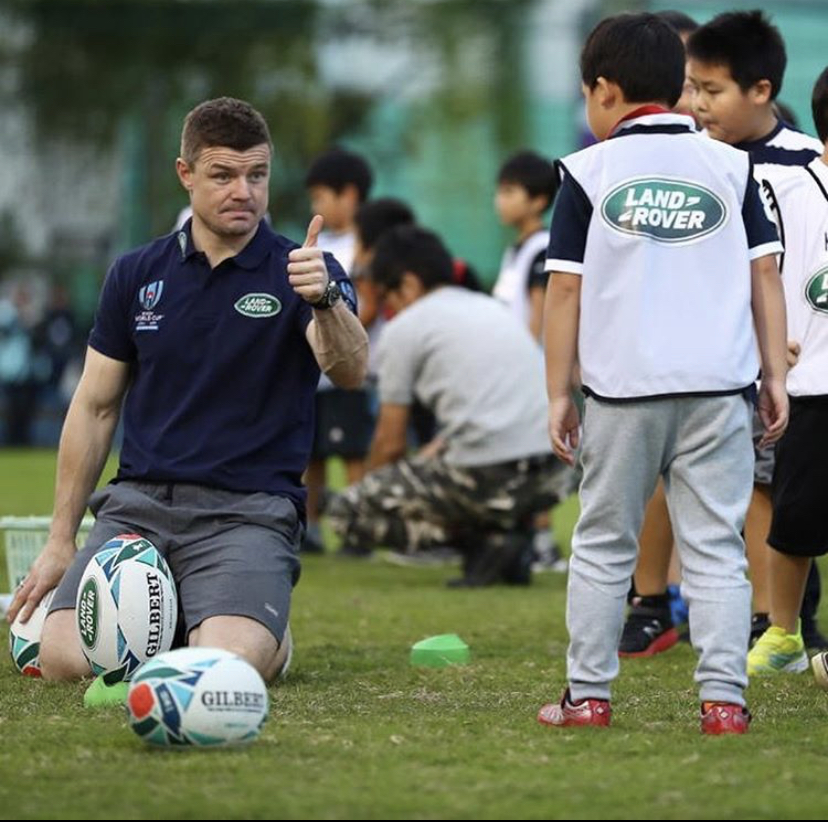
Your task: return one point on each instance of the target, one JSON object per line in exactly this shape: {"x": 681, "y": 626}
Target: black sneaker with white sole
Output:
{"x": 649, "y": 628}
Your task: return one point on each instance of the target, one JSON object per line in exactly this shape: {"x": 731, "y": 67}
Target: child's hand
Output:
{"x": 563, "y": 428}
{"x": 794, "y": 349}
{"x": 773, "y": 410}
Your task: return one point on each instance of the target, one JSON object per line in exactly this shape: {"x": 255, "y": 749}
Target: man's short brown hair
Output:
{"x": 224, "y": 121}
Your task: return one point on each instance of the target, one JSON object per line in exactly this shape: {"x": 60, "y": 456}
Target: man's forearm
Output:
{"x": 384, "y": 452}
{"x": 340, "y": 345}
{"x": 84, "y": 448}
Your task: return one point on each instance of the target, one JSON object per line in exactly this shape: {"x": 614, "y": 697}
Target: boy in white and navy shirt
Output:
{"x": 736, "y": 63}
{"x": 799, "y": 530}
{"x": 526, "y": 186}
{"x": 662, "y": 265}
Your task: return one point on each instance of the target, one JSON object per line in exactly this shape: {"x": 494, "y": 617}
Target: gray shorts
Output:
{"x": 230, "y": 553}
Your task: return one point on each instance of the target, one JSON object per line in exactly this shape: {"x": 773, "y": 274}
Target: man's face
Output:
{"x": 728, "y": 113}
{"x": 228, "y": 188}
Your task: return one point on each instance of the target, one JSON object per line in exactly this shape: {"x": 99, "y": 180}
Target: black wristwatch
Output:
{"x": 330, "y": 297}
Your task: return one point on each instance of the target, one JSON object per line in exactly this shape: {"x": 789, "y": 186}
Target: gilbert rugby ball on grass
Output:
{"x": 197, "y": 697}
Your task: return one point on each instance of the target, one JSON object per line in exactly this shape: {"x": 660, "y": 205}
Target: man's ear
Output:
{"x": 185, "y": 173}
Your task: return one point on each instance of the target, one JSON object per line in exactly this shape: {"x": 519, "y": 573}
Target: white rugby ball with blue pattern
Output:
{"x": 24, "y": 638}
{"x": 197, "y": 697}
{"x": 127, "y": 607}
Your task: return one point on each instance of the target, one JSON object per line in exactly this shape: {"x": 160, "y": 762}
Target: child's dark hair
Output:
{"x": 819, "y": 105}
{"x": 377, "y": 216}
{"x": 641, "y": 53}
{"x": 339, "y": 168}
{"x": 533, "y": 172}
{"x": 747, "y": 43}
{"x": 409, "y": 248}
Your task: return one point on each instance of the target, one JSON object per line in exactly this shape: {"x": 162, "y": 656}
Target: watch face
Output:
{"x": 332, "y": 293}
{"x": 330, "y": 296}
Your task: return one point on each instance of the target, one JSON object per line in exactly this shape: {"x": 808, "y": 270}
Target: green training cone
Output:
{"x": 439, "y": 651}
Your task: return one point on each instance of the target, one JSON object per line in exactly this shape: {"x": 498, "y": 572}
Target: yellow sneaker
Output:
{"x": 777, "y": 651}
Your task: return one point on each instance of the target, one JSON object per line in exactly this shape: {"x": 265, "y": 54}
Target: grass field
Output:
{"x": 357, "y": 733}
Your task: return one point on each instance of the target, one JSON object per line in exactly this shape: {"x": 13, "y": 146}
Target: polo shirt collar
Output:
{"x": 250, "y": 257}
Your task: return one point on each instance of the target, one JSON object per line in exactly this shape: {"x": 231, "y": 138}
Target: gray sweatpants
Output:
{"x": 702, "y": 448}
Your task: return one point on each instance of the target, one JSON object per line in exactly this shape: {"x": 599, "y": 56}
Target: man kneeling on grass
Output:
{"x": 478, "y": 370}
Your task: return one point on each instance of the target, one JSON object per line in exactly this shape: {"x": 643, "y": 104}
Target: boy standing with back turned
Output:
{"x": 662, "y": 266}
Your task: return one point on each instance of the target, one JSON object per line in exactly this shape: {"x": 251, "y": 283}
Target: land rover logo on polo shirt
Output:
{"x": 665, "y": 210}
{"x": 816, "y": 291}
{"x": 258, "y": 305}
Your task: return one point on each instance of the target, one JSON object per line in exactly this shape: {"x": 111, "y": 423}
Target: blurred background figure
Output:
{"x": 17, "y": 368}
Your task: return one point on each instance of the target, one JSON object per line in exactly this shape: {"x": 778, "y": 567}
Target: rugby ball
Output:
{"x": 24, "y": 638}
{"x": 127, "y": 607}
{"x": 197, "y": 697}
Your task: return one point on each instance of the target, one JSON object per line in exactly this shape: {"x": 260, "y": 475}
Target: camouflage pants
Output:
{"x": 416, "y": 503}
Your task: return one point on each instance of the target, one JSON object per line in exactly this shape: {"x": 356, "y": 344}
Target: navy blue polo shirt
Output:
{"x": 222, "y": 377}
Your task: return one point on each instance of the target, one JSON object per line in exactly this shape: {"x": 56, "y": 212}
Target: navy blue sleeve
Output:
{"x": 337, "y": 273}
{"x": 111, "y": 334}
{"x": 570, "y": 225}
{"x": 762, "y": 236}
{"x": 538, "y": 275}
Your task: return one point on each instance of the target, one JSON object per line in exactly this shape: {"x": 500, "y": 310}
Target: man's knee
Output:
{"x": 246, "y": 638}
{"x": 61, "y": 656}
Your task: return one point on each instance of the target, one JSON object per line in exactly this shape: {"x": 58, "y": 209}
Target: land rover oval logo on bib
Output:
{"x": 816, "y": 291}
{"x": 665, "y": 210}
{"x": 258, "y": 305}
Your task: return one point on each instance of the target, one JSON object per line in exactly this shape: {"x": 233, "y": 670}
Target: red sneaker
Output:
{"x": 724, "y": 718}
{"x": 568, "y": 714}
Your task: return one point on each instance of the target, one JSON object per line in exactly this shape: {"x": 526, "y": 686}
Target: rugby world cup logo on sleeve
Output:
{"x": 663, "y": 209}
{"x": 348, "y": 293}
